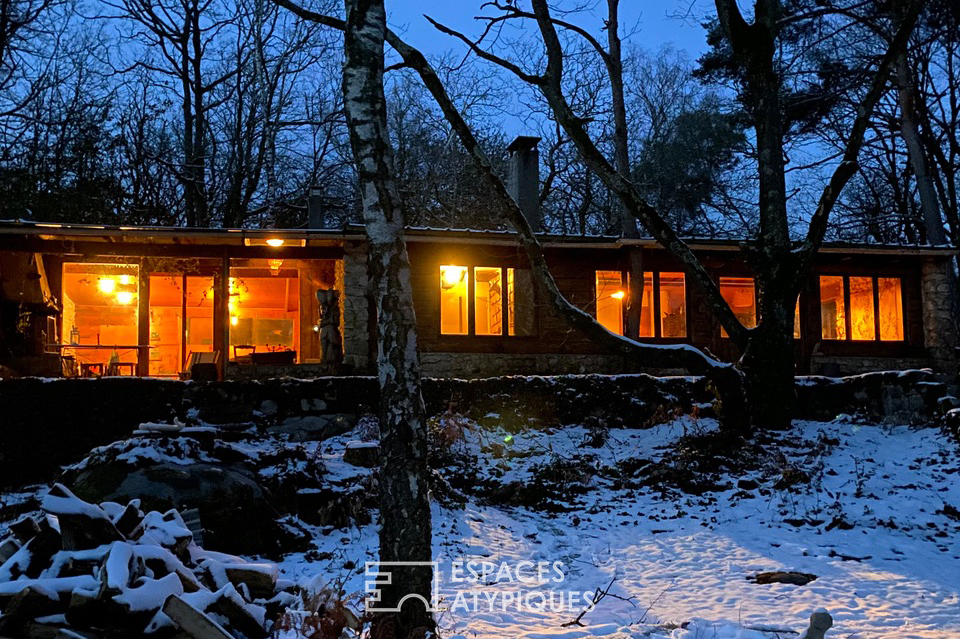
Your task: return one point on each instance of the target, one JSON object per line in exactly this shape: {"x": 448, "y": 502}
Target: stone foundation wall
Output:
{"x": 356, "y": 309}
{"x": 834, "y": 366}
{"x": 51, "y": 423}
{"x": 474, "y": 365}
{"x": 939, "y": 322}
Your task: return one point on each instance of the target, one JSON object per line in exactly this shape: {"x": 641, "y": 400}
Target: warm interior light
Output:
{"x": 234, "y": 320}
{"x": 274, "y": 242}
{"x": 452, "y": 275}
{"x": 124, "y": 280}
{"x": 124, "y": 297}
{"x": 275, "y": 265}
{"x": 106, "y": 284}
{"x": 617, "y": 296}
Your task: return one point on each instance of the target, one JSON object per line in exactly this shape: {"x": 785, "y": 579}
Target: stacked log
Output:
{"x": 82, "y": 569}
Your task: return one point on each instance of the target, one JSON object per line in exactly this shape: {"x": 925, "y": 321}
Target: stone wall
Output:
{"x": 356, "y": 309}
{"x": 49, "y": 423}
{"x": 939, "y": 324}
{"x": 474, "y": 365}
{"x": 837, "y": 365}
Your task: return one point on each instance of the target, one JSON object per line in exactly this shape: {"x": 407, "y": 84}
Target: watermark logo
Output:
{"x": 482, "y": 586}
{"x": 385, "y": 573}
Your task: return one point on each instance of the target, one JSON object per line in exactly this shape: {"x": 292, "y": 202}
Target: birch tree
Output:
{"x": 405, "y": 533}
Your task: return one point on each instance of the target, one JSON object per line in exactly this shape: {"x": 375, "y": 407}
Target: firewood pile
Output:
{"x": 108, "y": 570}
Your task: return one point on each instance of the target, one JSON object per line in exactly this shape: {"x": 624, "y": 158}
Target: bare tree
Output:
{"x": 405, "y": 529}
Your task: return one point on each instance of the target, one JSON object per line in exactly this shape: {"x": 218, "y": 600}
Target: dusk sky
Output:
{"x": 657, "y": 22}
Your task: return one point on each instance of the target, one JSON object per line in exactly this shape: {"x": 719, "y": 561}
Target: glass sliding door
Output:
{"x": 181, "y": 321}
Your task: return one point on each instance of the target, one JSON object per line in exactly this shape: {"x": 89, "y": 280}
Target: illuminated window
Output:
{"x": 520, "y": 305}
{"x": 668, "y": 288}
{"x": 647, "y": 310}
{"x": 101, "y": 315}
{"x": 891, "y": 309}
{"x": 453, "y": 300}
{"x": 488, "y": 300}
{"x": 740, "y": 296}
{"x": 264, "y": 306}
{"x": 173, "y": 336}
{"x": 860, "y": 308}
{"x": 833, "y": 314}
{"x": 796, "y": 321}
{"x": 610, "y": 295}
{"x": 673, "y": 305}
{"x": 862, "y": 320}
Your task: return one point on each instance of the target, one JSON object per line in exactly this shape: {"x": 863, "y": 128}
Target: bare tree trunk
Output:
{"x": 404, "y": 505}
{"x": 910, "y": 132}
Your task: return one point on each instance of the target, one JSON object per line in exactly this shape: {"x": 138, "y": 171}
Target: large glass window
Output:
{"x": 667, "y": 288}
{"x": 453, "y": 300}
{"x": 610, "y": 295}
{"x": 100, "y": 317}
{"x": 488, "y": 300}
{"x": 862, "y": 320}
{"x": 861, "y": 308}
{"x": 494, "y": 301}
{"x": 740, "y": 296}
{"x": 181, "y": 320}
{"x": 522, "y": 311}
{"x": 833, "y": 309}
{"x": 264, "y": 307}
{"x": 673, "y": 305}
{"x": 891, "y": 309}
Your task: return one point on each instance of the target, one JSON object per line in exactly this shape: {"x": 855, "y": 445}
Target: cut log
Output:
{"x": 128, "y": 521}
{"x": 192, "y": 621}
{"x": 240, "y": 620}
{"x": 26, "y": 605}
{"x": 7, "y": 549}
{"x": 25, "y": 529}
{"x": 259, "y": 579}
{"x": 82, "y": 525}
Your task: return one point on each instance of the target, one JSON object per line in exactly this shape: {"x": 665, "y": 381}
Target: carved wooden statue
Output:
{"x": 331, "y": 343}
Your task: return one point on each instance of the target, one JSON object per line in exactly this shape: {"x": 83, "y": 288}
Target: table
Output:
{"x": 89, "y": 367}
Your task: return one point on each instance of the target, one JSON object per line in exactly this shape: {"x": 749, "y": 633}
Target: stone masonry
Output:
{"x": 939, "y": 328}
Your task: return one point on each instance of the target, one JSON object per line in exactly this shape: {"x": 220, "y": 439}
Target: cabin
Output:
{"x": 88, "y": 301}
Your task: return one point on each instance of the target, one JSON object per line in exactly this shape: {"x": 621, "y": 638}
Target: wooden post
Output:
{"x": 143, "y": 320}
{"x": 221, "y": 313}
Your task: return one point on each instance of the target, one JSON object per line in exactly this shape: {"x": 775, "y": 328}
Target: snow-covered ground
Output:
{"x": 873, "y": 519}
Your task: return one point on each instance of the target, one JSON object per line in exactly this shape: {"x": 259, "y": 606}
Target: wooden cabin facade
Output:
{"x": 144, "y": 301}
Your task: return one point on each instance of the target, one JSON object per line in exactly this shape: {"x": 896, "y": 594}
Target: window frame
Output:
{"x": 471, "y": 304}
{"x": 657, "y": 319}
{"x": 848, "y": 322}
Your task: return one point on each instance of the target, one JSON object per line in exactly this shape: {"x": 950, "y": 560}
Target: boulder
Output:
{"x": 235, "y": 509}
{"x": 363, "y": 454}
{"x": 308, "y": 428}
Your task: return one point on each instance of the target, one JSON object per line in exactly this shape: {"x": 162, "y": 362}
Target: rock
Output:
{"x": 315, "y": 405}
{"x": 947, "y": 404}
{"x": 794, "y": 578}
{"x": 268, "y": 407}
{"x": 82, "y": 526}
{"x": 236, "y": 511}
{"x": 363, "y": 454}
{"x": 820, "y": 622}
{"x": 747, "y": 484}
{"x": 309, "y": 428}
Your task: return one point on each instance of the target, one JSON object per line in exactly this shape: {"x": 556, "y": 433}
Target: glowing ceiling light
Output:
{"x": 124, "y": 297}
{"x": 275, "y": 242}
{"x": 106, "y": 284}
{"x": 452, "y": 275}
{"x": 124, "y": 280}
{"x": 617, "y": 296}
{"x": 274, "y": 266}
{"x": 234, "y": 320}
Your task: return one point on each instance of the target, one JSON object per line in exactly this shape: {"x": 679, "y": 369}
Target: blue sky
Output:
{"x": 657, "y": 22}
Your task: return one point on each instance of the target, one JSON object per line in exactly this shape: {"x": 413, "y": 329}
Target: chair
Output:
{"x": 246, "y": 358}
{"x": 114, "y": 370}
{"x": 202, "y": 367}
{"x": 91, "y": 369}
